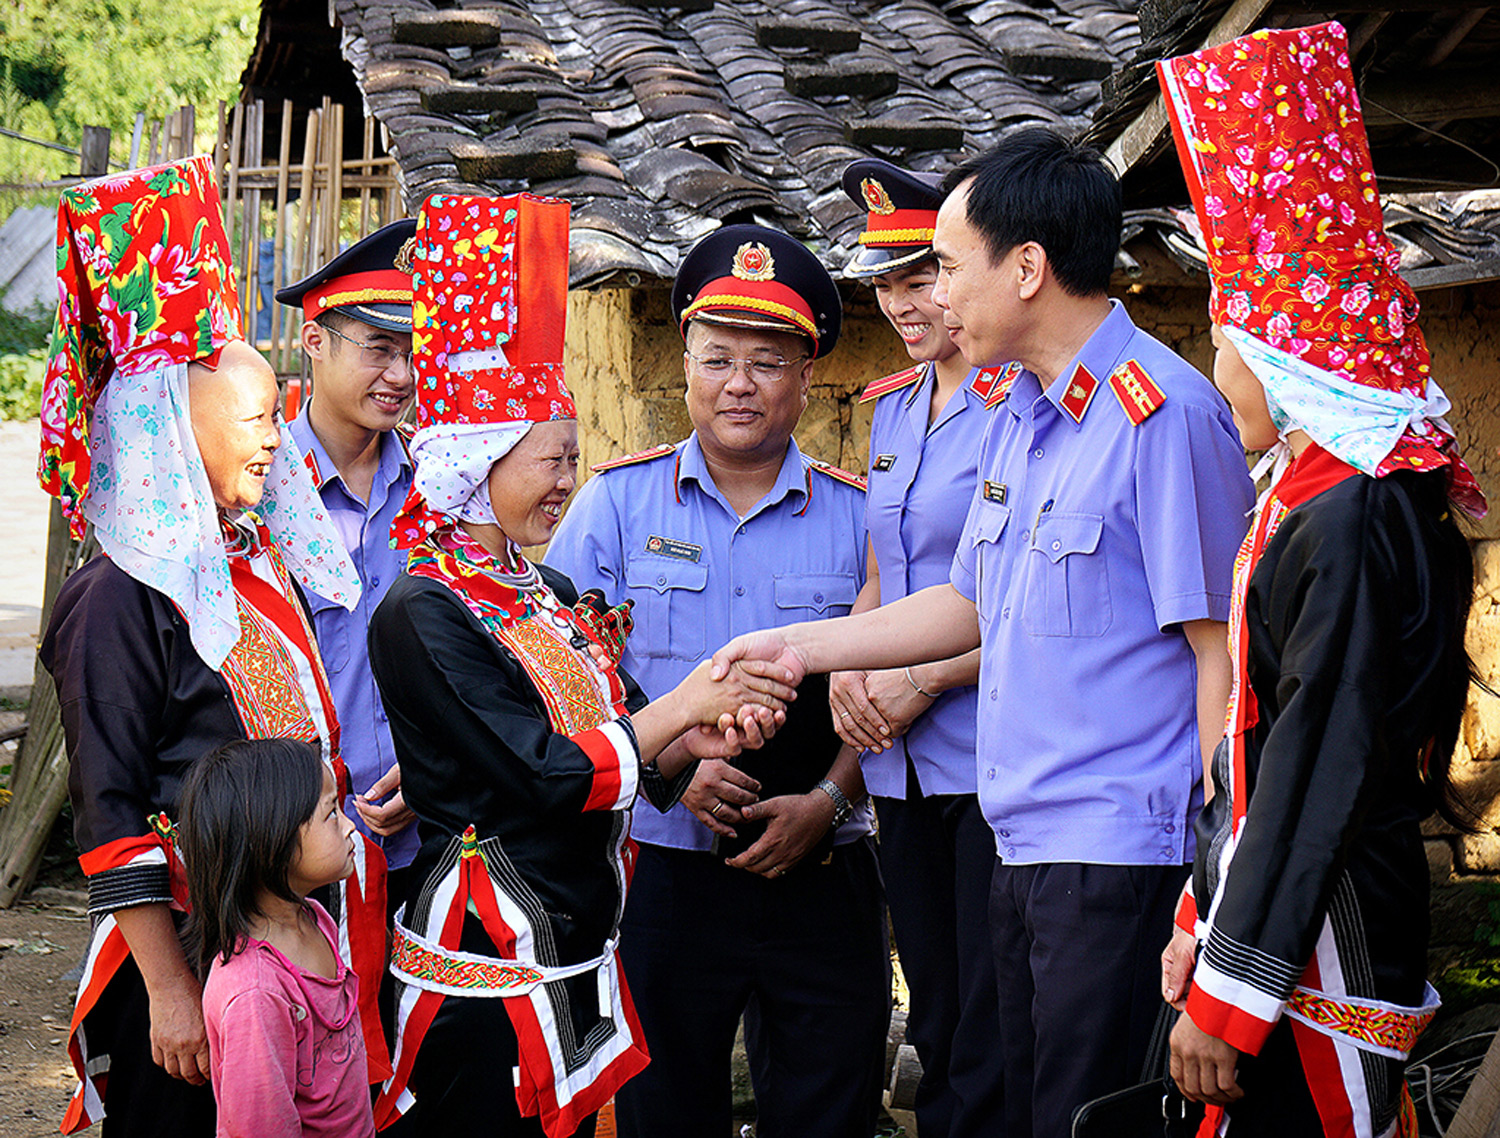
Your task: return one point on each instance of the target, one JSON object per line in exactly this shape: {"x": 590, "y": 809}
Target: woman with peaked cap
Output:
{"x": 916, "y": 725}
{"x": 1302, "y": 944}
{"x": 523, "y": 745}
{"x": 160, "y": 429}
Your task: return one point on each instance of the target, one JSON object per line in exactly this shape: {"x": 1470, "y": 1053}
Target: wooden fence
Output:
{"x": 308, "y": 201}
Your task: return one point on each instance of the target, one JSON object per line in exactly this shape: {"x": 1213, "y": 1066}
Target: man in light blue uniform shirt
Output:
{"x": 357, "y": 335}
{"x": 729, "y": 530}
{"x": 1094, "y": 571}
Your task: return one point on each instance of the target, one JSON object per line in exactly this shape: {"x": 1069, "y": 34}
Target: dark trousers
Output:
{"x": 141, "y": 1100}
{"x": 937, "y": 855}
{"x": 701, "y": 943}
{"x": 1078, "y": 963}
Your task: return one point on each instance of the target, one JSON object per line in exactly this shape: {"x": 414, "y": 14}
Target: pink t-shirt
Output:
{"x": 285, "y": 1046}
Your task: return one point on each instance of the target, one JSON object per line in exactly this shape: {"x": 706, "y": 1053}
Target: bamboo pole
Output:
{"x": 366, "y": 153}
{"x": 304, "y": 216}
{"x": 278, "y": 255}
{"x": 235, "y": 133}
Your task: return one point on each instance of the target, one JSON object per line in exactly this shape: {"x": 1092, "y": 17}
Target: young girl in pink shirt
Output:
{"x": 262, "y": 828}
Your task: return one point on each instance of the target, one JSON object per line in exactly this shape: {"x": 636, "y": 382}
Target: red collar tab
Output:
{"x": 993, "y": 384}
{"x": 1079, "y": 393}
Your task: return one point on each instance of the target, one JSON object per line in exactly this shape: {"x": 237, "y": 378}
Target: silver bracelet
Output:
{"x": 914, "y": 686}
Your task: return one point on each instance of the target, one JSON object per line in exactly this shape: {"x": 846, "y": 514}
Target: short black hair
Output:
{"x": 242, "y": 811}
{"x": 1036, "y": 185}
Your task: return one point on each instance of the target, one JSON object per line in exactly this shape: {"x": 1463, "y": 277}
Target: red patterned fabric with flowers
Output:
{"x": 1272, "y": 141}
{"x": 490, "y": 309}
{"x": 144, "y": 281}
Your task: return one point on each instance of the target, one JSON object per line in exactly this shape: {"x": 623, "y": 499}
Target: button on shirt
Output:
{"x": 1109, "y": 537}
{"x": 914, "y": 512}
{"x": 660, "y": 532}
{"x": 364, "y": 733}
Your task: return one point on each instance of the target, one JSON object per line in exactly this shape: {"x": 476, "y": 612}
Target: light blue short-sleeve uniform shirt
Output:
{"x": 922, "y": 478}
{"x": 364, "y": 731}
{"x": 658, "y": 531}
{"x": 1089, "y": 541}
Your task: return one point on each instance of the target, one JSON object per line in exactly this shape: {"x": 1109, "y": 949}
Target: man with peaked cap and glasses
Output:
{"x": 769, "y": 903}
{"x": 916, "y": 725}
{"x": 525, "y": 746}
{"x": 160, "y": 430}
{"x": 356, "y": 332}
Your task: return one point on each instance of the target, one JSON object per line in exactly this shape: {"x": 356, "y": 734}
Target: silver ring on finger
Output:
{"x": 844, "y": 715}
{"x": 774, "y": 871}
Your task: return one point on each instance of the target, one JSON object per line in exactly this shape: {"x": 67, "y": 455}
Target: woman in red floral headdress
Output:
{"x": 523, "y": 745}
{"x": 1301, "y": 952}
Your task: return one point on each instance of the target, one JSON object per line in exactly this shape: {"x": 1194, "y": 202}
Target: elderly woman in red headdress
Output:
{"x": 523, "y": 746}
{"x": 160, "y": 429}
{"x": 1302, "y": 945}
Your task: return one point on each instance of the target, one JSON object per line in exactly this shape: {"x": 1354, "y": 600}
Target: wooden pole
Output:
{"x": 39, "y": 777}
{"x": 1478, "y": 1115}
{"x": 278, "y": 259}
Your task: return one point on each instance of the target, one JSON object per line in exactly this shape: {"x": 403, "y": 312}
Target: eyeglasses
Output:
{"x": 381, "y": 357}
{"x": 763, "y": 370}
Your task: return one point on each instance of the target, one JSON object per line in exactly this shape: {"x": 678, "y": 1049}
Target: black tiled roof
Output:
{"x": 662, "y": 122}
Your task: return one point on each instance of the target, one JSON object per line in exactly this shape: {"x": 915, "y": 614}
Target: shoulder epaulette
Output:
{"x": 992, "y": 384}
{"x": 837, "y": 474}
{"x": 405, "y": 432}
{"x": 1136, "y": 391}
{"x": 632, "y": 459}
{"x": 887, "y": 384}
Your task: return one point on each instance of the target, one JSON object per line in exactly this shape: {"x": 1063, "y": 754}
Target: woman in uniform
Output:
{"x": 916, "y": 725}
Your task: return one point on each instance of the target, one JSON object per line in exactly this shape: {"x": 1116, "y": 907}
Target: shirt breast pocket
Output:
{"x": 813, "y": 596}
{"x": 331, "y": 632}
{"x": 1067, "y": 577}
{"x": 668, "y": 612}
{"x": 984, "y": 538}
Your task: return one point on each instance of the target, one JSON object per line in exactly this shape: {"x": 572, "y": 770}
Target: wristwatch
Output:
{"x": 842, "y": 807}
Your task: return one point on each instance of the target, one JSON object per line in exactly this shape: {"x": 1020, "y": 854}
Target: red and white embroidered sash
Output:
{"x": 584, "y": 702}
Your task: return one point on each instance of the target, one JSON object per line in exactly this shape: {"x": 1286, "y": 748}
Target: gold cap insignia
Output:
{"x": 753, "y": 262}
{"x": 876, "y": 198}
{"x": 404, "y": 256}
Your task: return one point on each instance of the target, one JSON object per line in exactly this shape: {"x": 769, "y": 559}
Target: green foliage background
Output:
{"x": 67, "y": 64}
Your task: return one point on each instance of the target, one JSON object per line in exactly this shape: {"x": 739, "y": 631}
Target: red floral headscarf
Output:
{"x": 1272, "y": 142}
{"x": 144, "y": 280}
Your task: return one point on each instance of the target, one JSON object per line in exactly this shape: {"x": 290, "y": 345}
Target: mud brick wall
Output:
{"x": 625, "y": 370}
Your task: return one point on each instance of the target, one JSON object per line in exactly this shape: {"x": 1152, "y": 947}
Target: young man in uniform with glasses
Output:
{"x": 356, "y": 332}
{"x": 769, "y": 905}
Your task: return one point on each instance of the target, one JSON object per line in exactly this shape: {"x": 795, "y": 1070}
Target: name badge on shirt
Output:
{"x": 884, "y": 461}
{"x": 671, "y": 547}
{"x": 994, "y": 492}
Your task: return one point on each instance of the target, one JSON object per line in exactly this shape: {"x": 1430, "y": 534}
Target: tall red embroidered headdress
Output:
{"x": 1273, "y": 146}
{"x": 488, "y": 318}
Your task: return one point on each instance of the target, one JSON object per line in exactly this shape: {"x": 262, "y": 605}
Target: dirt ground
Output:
{"x": 41, "y": 939}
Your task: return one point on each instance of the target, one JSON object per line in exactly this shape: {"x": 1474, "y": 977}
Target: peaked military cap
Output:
{"x": 748, "y": 276}
{"x": 901, "y": 213}
{"x": 363, "y": 282}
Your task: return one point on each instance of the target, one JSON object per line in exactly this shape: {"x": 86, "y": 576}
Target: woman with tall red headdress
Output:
{"x": 523, "y": 745}
{"x": 1301, "y": 952}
